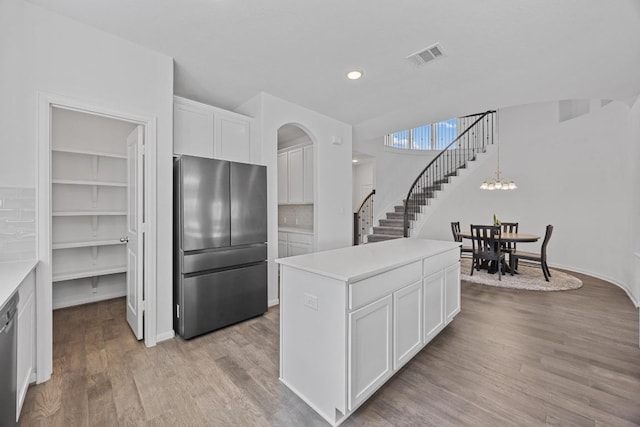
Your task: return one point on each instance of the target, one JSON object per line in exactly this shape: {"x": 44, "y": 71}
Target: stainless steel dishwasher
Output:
{"x": 8, "y": 376}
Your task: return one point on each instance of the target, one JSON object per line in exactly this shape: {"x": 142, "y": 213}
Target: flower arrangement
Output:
{"x": 496, "y": 221}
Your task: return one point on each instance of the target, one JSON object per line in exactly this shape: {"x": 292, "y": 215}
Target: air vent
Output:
{"x": 427, "y": 55}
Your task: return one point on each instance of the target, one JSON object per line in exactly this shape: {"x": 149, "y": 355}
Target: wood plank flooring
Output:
{"x": 509, "y": 358}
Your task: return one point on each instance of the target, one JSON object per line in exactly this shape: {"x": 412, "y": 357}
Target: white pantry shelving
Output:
{"x": 89, "y": 213}
{"x": 89, "y": 207}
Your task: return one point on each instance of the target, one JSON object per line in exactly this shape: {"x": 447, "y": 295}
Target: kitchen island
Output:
{"x": 350, "y": 318}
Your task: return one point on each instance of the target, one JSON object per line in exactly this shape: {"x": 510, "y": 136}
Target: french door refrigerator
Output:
{"x": 220, "y": 249}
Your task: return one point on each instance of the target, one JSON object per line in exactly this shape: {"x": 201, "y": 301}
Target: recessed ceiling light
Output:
{"x": 354, "y": 161}
{"x": 354, "y": 75}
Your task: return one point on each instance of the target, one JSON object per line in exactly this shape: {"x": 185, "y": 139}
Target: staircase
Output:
{"x": 474, "y": 139}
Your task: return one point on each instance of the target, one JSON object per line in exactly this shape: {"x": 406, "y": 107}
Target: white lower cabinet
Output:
{"x": 282, "y": 249}
{"x": 369, "y": 349}
{"x": 291, "y": 243}
{"x": 452, "y": 291}
{"x": 26, "y": 339}
{"x": 407, "y": 323}
{"x": 433, "y": 291}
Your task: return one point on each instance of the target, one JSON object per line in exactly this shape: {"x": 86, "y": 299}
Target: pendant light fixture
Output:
{"x": 498, "y": 183}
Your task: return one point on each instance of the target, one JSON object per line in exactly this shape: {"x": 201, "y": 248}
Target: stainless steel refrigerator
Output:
{"x": 220, "y": 250}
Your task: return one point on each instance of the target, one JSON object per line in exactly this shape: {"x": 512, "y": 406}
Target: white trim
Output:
{"x": 315, "y": 408}
{"x": 44, "y": 304}
{"x": 622, "y": 286}
{"x": 273, "y": 302}
{"x": 165, "y": 336}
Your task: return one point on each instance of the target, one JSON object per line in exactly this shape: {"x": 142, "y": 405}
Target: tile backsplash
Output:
{"x": 17, "y": 223}
{"x": 296, "y": 216}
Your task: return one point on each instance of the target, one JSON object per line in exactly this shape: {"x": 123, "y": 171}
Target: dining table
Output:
{"x": 506, "y": 238}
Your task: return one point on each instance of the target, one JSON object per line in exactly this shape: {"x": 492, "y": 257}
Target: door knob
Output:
{"x": 124, "y": 239}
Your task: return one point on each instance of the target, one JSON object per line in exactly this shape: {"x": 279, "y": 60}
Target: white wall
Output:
{"x": 395, "y": 171}
{"x": 363, "y": 176}
{"x": 332, "y": 172}
{"x": 634, "y": 117}
{"x": 575, "y": 175}
{"x": 42, "y": 51}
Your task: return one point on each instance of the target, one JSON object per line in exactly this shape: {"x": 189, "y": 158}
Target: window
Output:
{"x": 435, "y": 136}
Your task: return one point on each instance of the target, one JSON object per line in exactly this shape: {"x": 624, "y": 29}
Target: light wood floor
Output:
{"x": 509, "y": 358}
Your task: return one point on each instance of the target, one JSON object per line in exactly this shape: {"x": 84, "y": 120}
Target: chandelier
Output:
{"x": 498, "y": 183}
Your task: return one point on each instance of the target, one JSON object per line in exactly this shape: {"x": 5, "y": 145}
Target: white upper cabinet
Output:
{"x": 233, "y": 138}
{"x": 192, "y": 130}
{"x": 283, "y": 174}
{"x": 295, "y": 175}
{"x": 307, "y": 196}
{"x": 207, "y": 131}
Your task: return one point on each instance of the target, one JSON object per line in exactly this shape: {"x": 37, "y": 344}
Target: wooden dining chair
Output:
{"x": 531, "y": 256}
{"x": 455, "y": 230}
{"x": 509, "y": 247}
{"x": 486, "y": 241}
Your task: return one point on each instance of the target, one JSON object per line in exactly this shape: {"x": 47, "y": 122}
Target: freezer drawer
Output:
{"x": 212, "y": 301}
{"x": 225, "y": 257}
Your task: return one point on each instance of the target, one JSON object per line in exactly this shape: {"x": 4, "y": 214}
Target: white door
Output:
{"x": 134, "y": 237}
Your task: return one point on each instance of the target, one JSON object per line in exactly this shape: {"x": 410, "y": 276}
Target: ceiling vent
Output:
{"x": 427, "y": 55}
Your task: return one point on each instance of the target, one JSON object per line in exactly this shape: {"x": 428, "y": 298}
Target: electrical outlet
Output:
{"x": 311, "y": 301}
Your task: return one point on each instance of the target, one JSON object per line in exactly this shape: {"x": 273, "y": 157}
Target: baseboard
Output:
{"x": 165, "y": 336}
{"x": 622, "y": 286}
{"x": 273, "y": 302}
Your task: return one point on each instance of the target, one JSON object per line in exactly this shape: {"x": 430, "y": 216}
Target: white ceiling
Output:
{"x": 500, "y": 52}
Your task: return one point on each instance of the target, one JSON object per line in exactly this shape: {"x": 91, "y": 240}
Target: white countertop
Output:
{"x": 11, "y": 275}
{"x": 355, "y": 263}
{"x": 296, "y": 230}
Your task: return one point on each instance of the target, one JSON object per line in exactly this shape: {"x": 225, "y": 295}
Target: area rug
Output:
{"x": 530, "y": 278}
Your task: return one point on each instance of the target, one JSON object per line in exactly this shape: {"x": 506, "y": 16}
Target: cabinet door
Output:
{"x": 26, "y": 338}
{"x": 433, "y": 290}
{"x": 370, "y": 349}
{"x": 283, "y": 178}
{"x": 192, "y": 131}
{"x": 452, "y": 291}
{"x": 296, "y": 175}
{"x": 308, "y": 175}
{"x": 282, "y": 249}
{"x": 407, "y": 323}
{"x": 233, "y": 138}
{"x": 298, "y": 249}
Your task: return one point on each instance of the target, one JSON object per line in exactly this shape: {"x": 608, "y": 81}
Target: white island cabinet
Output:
{"x": 352, "y": 317}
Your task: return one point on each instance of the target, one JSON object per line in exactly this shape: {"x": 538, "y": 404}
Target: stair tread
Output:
{"x": 372, "y": 238}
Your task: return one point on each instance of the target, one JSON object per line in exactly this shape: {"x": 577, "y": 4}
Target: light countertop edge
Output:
{"x": 313, "y": 263}
{"x": 11, "y": 276}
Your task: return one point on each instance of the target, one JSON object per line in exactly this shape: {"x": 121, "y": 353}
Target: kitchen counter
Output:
{"x": 11, "y": 275}
{"x": 296, "y": 230}
{"x": 350, "y": 318}
{"x": 356, "y": 263}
